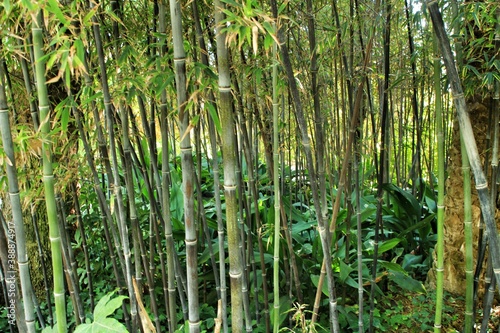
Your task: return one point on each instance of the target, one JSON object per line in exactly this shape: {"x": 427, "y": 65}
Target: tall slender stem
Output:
{"x": 440, "y": 200}
{"x": 48, "y": 175}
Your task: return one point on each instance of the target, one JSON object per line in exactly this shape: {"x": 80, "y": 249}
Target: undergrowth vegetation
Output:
{"x": 405, "y": 253}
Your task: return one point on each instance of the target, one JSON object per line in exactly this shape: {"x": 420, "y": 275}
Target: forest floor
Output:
{"x": 413, "y": 312}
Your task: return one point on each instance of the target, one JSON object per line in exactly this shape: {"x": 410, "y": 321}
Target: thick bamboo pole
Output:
{"x": 229, "y": 162}
{"x": 48, "y": 175}
{"x": 191, "y": 237}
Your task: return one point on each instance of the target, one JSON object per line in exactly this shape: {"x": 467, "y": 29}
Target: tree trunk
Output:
{"x": 454, "y": 241}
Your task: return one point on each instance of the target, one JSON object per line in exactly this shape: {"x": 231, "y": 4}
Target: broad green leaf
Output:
{"x": 215, "y": 117}
{"x": 406, "y": 282}
{"x": 410, "y": 260}
{"x": 50, "y": 329}
{"x": 106, "y": 307}
{"x": 345, "y": 270}
{"x": 83, "y": 328}
{"x": 106, "y": 325}
{"x": 404, "y": 200}
{"x": 416, "y": 226}
{"x": 7, "y": 6}
{"x": 391, "y": 266}
{"x": 388, "y": 244}
{"x": 284, "y": 309}
{"x": 315, "y": 281}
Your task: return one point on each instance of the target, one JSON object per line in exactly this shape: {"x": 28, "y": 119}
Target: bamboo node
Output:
{"x": 461, "y": 95}
{"x": 481, "y": 186}
{"x": 440, "y": 269}
{"x": 186, "y": 149}
{"x": 229, "y": 187}
{"x": 440, "y": 206}
{"x": 224, "y": 89}
{"x": 191, "y": 242}
{"x": 179, "y": 60}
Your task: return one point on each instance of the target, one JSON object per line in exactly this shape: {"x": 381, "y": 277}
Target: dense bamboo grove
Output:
{"x": 234, "y": 166}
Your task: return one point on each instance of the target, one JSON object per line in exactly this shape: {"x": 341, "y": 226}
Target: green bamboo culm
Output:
{"x": 229, "y": 163}
{"x": 48, "y": 176}
{"x": 17, "y": 214}
{"x": 469, "y": 264}
{"x": 440, "y": 200}
{"x": 277, "y": 216}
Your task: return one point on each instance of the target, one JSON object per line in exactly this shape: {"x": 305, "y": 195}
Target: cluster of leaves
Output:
{"x": 482, "y": 65}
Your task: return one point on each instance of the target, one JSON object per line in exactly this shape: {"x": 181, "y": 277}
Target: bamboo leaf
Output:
{"x": 7, "y": 6}
{"x": 215, "y": 117}
{"x": 56, "y": 10}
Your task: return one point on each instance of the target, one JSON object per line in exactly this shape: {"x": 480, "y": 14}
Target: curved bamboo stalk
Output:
{"x": 17, "y": 232}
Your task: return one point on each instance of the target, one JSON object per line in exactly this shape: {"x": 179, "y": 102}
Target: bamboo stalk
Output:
{"x": 440, "y": 199}
{"x": 172, "y": 271}
{"x": 277, "y": 217}
{"x": 16, "y": 233}
{"x": 48, "y": 175}
{"x": 187, "y": 168}
{"x": 229, "y": 162}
